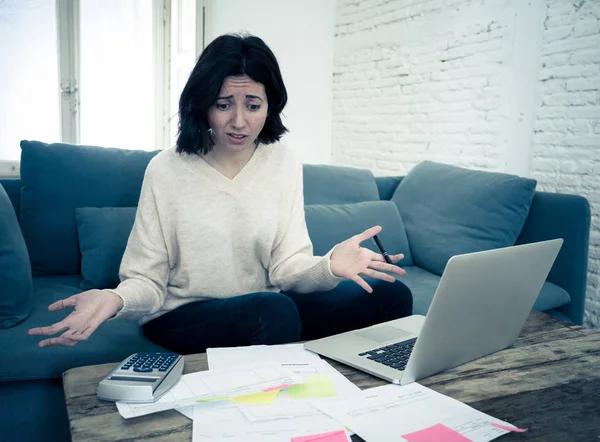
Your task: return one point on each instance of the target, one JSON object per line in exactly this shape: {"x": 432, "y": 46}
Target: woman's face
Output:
{"x": 239, "y": 114}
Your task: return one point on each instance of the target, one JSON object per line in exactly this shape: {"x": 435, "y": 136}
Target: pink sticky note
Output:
{"x": 279, "y": 387}
{"x": 507, "y": 428}
{"x": 334, "y": 436}
{"x": 435, "y": 434}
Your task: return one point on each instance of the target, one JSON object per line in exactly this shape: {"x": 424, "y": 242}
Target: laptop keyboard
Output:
{"x": 393, "y": 355}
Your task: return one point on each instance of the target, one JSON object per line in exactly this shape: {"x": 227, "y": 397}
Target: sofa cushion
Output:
{"x": 16, "y": 286}
{"x": 103, "y": 233}
{"x": 57, "y": 178}
{"x": 330, "y": 224}
{"x": 338, "y": 185}
{"x": 423, "y": 285}
{"x": 113, "y": 341}
{"x": 551, "y": 296}
{"x": 448, "y": 210}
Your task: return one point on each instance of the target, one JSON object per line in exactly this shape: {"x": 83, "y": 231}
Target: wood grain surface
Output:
{"x": 547, "y": 382}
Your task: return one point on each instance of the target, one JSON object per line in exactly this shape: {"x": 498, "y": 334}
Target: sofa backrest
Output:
{"x": 58, "y": 178}
{"x": 385, "y": 188}
{"x": 338, "y": 185}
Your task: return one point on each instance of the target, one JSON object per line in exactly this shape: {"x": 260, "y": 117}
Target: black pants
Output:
{"x": 278, "y": 318}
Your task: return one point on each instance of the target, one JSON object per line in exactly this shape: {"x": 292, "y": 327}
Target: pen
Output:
{"x": 383, "y": 252}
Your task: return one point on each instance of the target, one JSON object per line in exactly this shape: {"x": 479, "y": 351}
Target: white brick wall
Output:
{"x": 566, "y": 140}
{"x": 436, "y": 91}
{"x": 500, "y": 85}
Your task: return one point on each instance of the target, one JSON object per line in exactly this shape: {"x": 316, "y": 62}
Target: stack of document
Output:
{"x": 216, "y": 386}
{"x": 284, "y": 393}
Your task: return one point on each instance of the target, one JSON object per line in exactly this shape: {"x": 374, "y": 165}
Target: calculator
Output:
{"x": 142, "y": 377}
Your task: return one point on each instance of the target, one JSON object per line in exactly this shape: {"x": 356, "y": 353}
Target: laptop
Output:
{"x": 480, "y": 306}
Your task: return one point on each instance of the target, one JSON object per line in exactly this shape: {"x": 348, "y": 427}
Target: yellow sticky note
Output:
{"x": 315, "y": 386}
{"x": 213, "y": 399}
{"x": 263, "y": 398}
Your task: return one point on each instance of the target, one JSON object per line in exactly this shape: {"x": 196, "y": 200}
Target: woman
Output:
{"x": 219, "y": 254}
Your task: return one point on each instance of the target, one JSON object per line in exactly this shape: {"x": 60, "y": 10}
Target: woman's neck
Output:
{"x": 229, "y": 163}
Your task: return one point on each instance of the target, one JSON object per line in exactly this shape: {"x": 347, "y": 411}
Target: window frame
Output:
{"x": 69, "y": 62}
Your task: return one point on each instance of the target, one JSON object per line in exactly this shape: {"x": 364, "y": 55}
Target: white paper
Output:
{"x": 187, "y": 411}
{"x": 278, "y": 410}
{"x": 388, "y": 412}
{"x": 226, "y": 424}
{"x": 288, "y": 355}
{"x": 228, "y": 383}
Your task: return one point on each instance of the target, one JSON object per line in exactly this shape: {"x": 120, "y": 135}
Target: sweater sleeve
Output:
{"x": 144, "y": 270}
{"x": 293, "y": 265}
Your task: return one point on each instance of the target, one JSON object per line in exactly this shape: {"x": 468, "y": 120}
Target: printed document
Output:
{"x": 268, "y": 423}
{"x": 412, "y": 412}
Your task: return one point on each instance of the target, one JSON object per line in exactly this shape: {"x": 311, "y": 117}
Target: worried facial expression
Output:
{"x": 239, "y": 114}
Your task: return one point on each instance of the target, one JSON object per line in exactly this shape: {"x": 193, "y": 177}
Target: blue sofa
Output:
{"x": 58, "y": 179}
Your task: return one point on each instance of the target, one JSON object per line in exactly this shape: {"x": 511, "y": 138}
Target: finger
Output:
{"x": 368, "y": 234}
{"x": 68, "y": 339}
{"x": 385, "y": 267}
{"x": 361, "y": 282}
{"x": 396, "y": 258}
{"x": 63, "y": 303}
{"x": 50, "y": 330}
{"x": 58, "y": 341}
{"x": 379, "y": 275}
{"x": 79, "y": 335}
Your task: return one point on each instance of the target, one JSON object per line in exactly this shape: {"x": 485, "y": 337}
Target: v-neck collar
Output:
{"x": 241, "y": 179}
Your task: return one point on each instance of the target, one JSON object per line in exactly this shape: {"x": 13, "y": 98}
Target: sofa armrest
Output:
{"x": 556, "y": 215}
{"x": 13, "y": 189}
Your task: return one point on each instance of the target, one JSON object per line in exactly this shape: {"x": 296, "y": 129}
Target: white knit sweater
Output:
{"x": 199, "y": 235}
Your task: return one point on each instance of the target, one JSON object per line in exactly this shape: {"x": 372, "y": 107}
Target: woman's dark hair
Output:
{"x": 229, "y": 55}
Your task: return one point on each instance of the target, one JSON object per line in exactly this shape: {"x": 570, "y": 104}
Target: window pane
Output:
{"x": 29, "y": 108}
{"x": 117, "y": 74}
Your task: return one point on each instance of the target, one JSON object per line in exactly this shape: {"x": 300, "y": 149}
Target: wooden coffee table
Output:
{"x": 548, "y": 382}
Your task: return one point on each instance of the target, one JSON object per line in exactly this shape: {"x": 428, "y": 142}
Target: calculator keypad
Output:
{"x": 149, "y": 362}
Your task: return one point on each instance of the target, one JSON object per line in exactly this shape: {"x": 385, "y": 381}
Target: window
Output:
{"x": 99, "y": 72}
{"x": 29, "y": 108}
{"x": 117, "y": 79}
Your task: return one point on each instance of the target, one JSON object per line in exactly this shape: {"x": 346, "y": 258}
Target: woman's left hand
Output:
{"x": 351, "y": 261}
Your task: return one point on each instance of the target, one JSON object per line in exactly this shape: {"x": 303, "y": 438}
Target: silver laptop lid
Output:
{"x": 480, "y": 306}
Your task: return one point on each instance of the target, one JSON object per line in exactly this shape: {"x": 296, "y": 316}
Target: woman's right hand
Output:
{"x": 90, "y": 309}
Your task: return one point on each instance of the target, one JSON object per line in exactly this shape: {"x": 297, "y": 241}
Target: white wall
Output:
{"x": 566, "y": 141}
{"x": 505, "y": 85}
{"x": 301, "y": 34}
